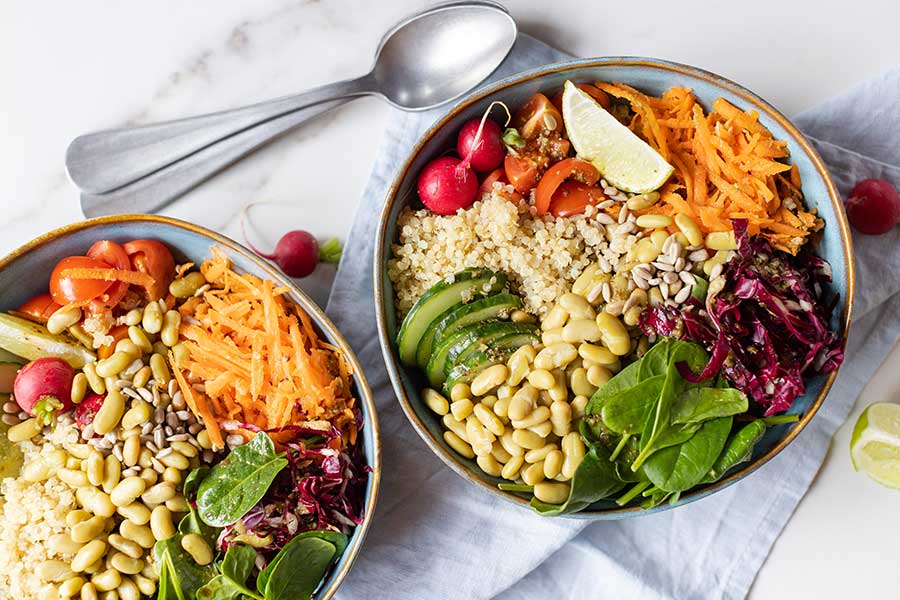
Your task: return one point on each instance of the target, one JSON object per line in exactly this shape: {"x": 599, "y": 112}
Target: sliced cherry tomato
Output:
{"x": 536, "y": 116}
{"x": 593, "y": 91}
{"x": 154, "y": 259}
{"x": 66, "y": 290}
{"x": 119, "y": 332}
{"x": 39, "y": 308}
{"x": 112, "y": 254}
{"x": 521, "y": 172}
{"x": 572, "y": 197}
{"x": 581, "y": 170}
{"x": 487, "y": 186}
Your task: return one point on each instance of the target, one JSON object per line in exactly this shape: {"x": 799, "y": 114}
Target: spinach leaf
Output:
{"x": 298, "y": 569}
{"x": 656, "y": 360}
{"x": 698, "y": 404}
{"x": 237, "y": 483}
{"x": 223, "y": 588}
{"x": 231, "y": 583}
{"x": 626, "y": 412}
{"x": 191, "y": 522}
{"x": 681, "y": 467}
{"x": 339, "y": 540}
{"x": 594, "y": 480}
{"x": 738, "y": 449}
{"x": 183, "y": 576}
{"x": 621, "y": 381}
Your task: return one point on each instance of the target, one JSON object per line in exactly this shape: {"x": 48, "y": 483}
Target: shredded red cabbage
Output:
{"x": 323, "y": 487}
{"x": 766, "y": 328}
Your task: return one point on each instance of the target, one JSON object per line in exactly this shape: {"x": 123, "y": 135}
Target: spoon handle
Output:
{"x": 107, "y": 160}
{"x": 152, "y": 192}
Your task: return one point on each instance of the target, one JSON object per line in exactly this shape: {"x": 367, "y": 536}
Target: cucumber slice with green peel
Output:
{"x": 498, "y": 351}
{"x": 32, "y": 341}
{"x": 442, "y": 296}
{"x": 489, "y": 308}
{"x": 8, "y": 372}
{"x": 457, "y": 348}
{"x": 458, "y": 355}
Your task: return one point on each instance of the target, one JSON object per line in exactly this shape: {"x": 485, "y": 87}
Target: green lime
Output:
{"x": 875, "y": 443}
{"x": 625, "y": 160}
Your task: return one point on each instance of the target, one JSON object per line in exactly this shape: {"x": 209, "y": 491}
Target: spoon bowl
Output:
{"x": 436, "y": 56}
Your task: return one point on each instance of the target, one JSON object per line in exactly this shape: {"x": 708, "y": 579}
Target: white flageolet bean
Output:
{"x": 551, "y": 492}
{"x": 536, "y": 417}
{"x": 88, "y": 555}
{"x": 436, "y": 401}
{"x": 461, "y": 409}
{"x": 488, "y": 419}
{"x": 107, "y": 580}
{"x": 127, "y": 564}
{"x": 527, "y": 439}
{"x": 127, "y": 491}
{"x": 54, "y": 570}
{"x": 125, "y": 546}
{"x": 458, "y": 444}
{"x": 457, "y": 427}
{"x": 85, "y": 531}
{"x": 488, "y": 379}
{"x": 489, "y": 465}
{"x": 141, "y": 534}
{"x": 533, "y": 474}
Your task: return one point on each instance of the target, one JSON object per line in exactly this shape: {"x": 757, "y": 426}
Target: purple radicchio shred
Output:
{"x": 767, "y": 328}
{"x": 322, "y": 488}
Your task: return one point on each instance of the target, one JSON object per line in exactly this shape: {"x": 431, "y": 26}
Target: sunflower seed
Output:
{"x": 716, "y": 271}
{"x": 670, "y": 277}
{"x": 607, "y": 292}
{"x": 683, "y": 295}
{"x": 663, "y": 266}
{"x": 688, "y": 277}
{"x": 679, "y": 264}
{"x": 664, "y": 289}
{"x": 698, "y": 255}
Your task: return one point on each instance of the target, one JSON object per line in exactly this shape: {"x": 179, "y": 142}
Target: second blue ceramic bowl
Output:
{"x": 25, "y": 272}
{"x": 654, "y": 77}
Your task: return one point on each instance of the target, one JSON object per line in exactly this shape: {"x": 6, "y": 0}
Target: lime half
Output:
{"x": 875, "y": 444}
{"x": 625, "y": 160}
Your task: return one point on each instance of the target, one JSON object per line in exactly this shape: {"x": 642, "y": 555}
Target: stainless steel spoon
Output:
{"x": 425, "y": 60}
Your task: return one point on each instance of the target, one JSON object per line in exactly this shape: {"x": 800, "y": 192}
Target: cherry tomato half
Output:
{"x": 39, "y": 308}
{"x": 487, "y": 186}
{"x": 572, "y": 197}
{"x": 112, "y": 254}
{"x": 570, "y": 167}
{"x": 522, "y": 172}
{"x": 66, "y": 290}
{"x": 154, "y": 259}
{"x": 536, "y": 116}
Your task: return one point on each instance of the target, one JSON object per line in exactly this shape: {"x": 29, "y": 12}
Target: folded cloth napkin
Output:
{"x": 436, "y": 536}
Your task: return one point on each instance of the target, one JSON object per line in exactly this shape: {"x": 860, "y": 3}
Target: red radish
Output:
{"x": 873, "y": 206}
{"x": 446, "y": 185}
{"x": 43, "y": 388}
{"x": 297, "y": 252}
{"x": 87, "y": 409}
{"x": 486, "y": 153}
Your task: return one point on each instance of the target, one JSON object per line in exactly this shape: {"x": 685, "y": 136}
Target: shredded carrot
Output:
{"x": 260, "y": 357}
{"x": 130, "y": 277}
{"x": 727, "y": 166}
{"x": 197, "y": 404}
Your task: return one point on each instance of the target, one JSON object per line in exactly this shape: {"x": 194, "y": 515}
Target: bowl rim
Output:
{"x": 306, "y": 303}
{"x": 753, "y": 100}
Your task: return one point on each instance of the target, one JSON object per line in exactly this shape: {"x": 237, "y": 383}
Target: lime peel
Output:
{"x": 624, "y": 159}
{"x": 875, "y": 443}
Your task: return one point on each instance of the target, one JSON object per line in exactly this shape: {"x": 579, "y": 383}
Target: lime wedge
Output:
{"x": 875, "y": 444}
{"x": 624, "y": 159}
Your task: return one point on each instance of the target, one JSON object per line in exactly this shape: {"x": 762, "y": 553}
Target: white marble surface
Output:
{"x": 70, "y": 67}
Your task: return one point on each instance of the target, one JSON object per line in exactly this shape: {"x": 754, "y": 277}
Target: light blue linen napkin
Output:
{"x": 435, "y": 536}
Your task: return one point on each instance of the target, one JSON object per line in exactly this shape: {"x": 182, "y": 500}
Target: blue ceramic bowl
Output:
{"x": 25, "y": 273}
{"x": 653, "y": 77}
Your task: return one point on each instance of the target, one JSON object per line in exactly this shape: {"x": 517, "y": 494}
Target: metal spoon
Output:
{"x": 425, "y": 60}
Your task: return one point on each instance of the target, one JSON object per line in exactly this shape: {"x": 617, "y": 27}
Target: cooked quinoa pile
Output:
{"x": 541, "y": 254}
{"x": 30, "y": 514}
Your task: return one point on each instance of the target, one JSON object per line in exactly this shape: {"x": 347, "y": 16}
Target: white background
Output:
{"x": 70, "y": 67}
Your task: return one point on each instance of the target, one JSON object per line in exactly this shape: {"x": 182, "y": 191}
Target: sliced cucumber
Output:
{"x": 10, "y": 455}
{"x": 456, "y": 348}
{"x": 484, "y": 309}
{"x": 32, "y": 341}
{"x": 8, "y": 372}
{"x": 442, "y": 296}
{"x": 459, "y": 354}
{"x": 499, "y": 350}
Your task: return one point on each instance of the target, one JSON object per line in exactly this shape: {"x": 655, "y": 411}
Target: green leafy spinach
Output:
{"x": 236, "y": 484}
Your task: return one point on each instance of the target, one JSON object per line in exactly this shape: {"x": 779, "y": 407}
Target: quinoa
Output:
{"x": 30, "y": 514}
{"x": 542, "y": 255}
